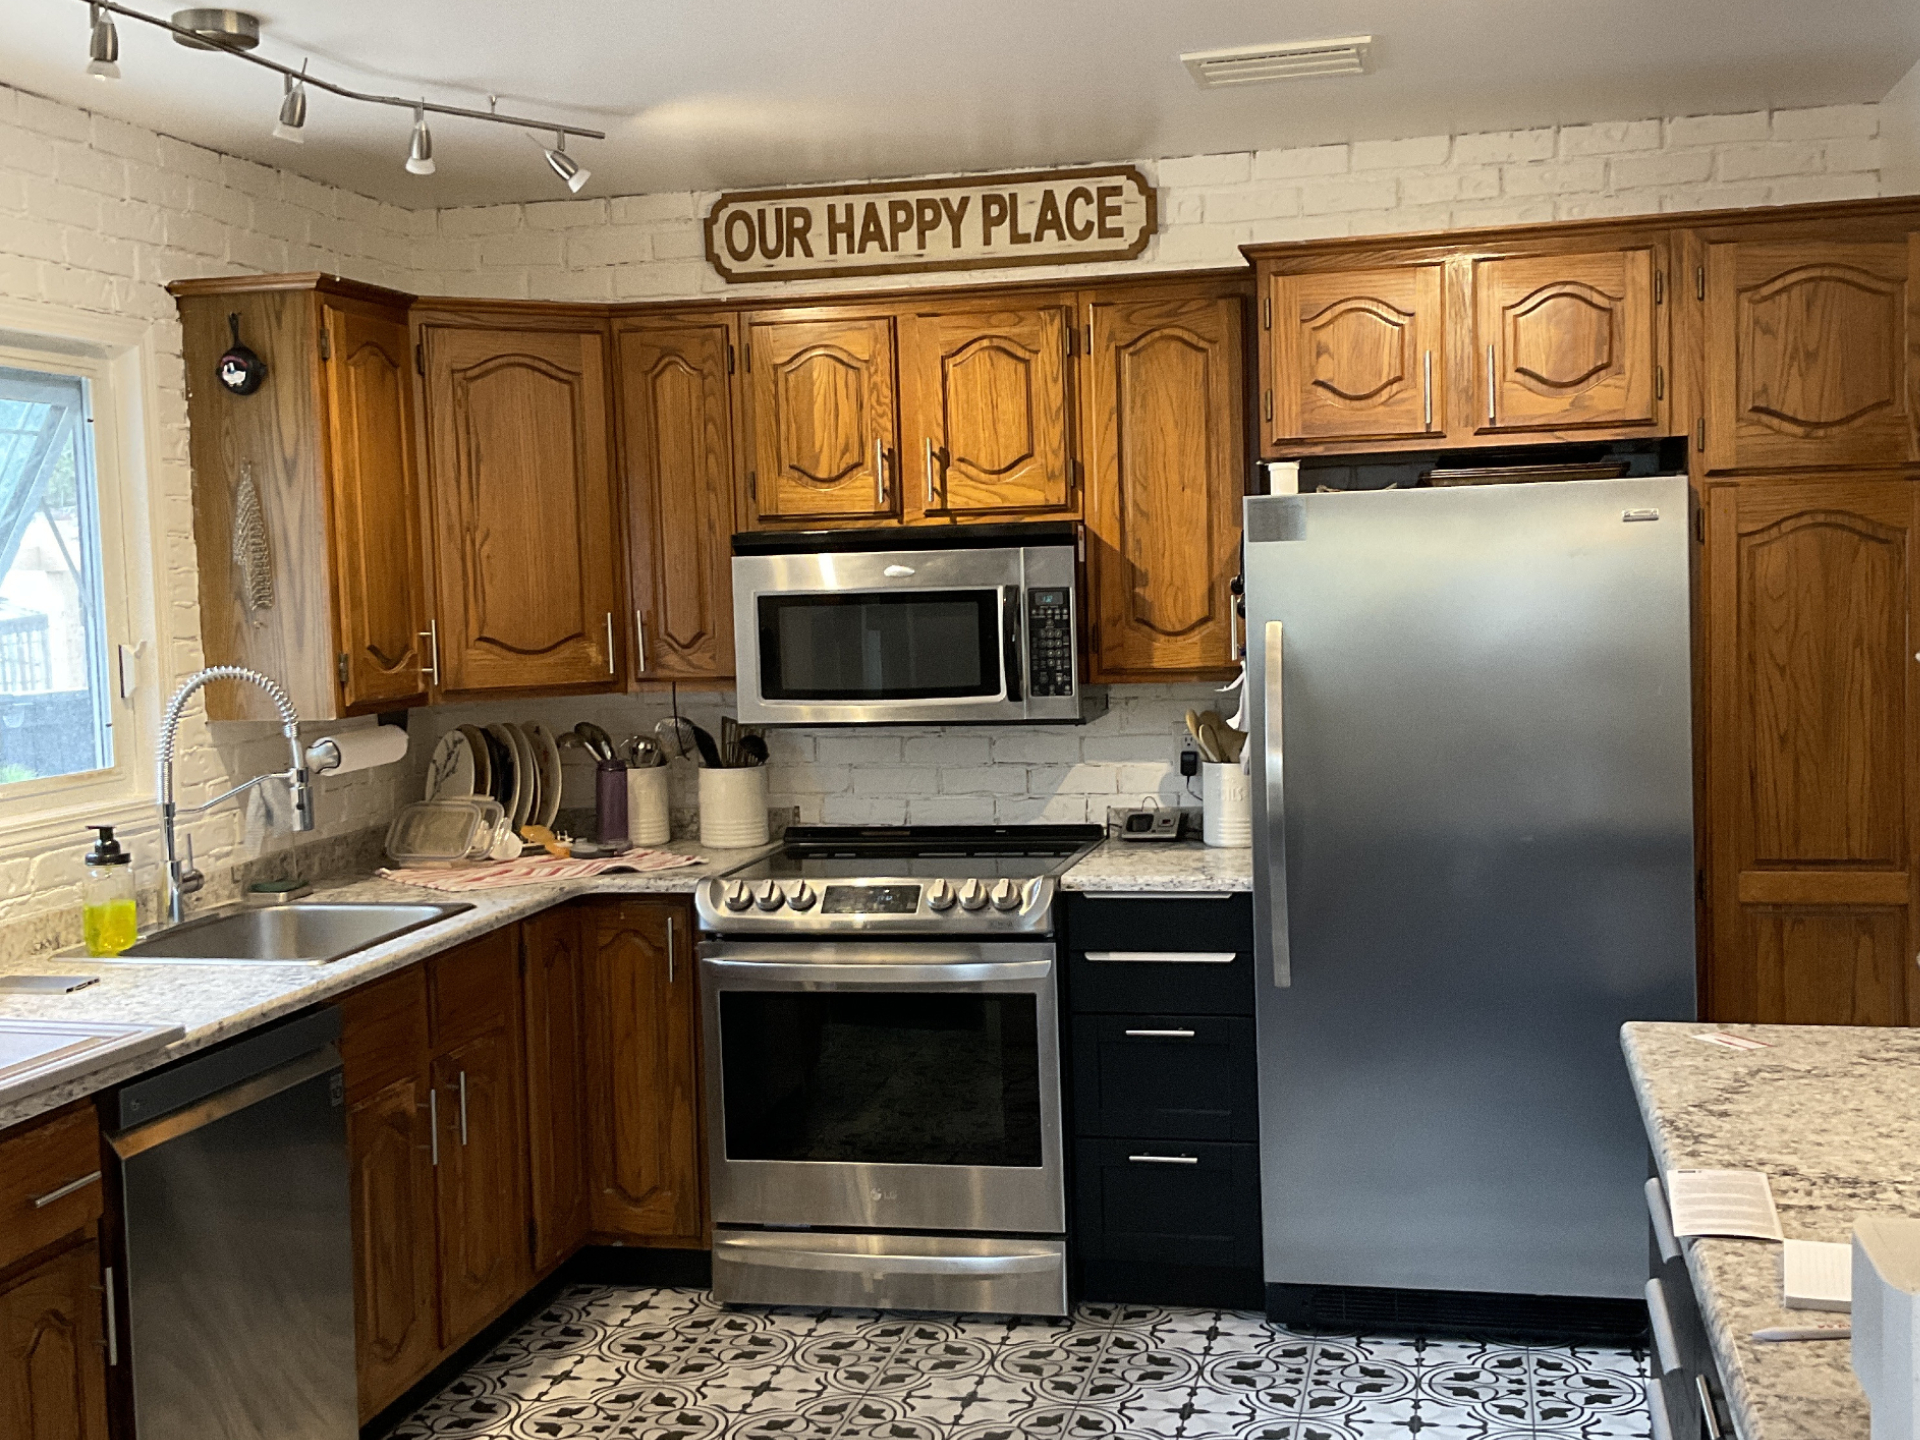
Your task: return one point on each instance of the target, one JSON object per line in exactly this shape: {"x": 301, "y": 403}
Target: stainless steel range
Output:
{"x": 882, "y": 1055}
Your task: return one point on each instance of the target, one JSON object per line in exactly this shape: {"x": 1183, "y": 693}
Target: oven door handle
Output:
{"x": 1010, "y": 622}
{"x": 894, "y": 1264}
{"x": 814, "y": 975}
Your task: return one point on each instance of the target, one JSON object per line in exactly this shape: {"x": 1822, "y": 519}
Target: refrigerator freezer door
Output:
{"x": 1480, "y": 860}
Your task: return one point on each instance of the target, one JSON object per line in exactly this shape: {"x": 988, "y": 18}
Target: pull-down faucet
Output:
{"x": 182, "y": 879}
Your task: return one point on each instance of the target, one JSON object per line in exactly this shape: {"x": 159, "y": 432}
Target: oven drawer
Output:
{"x": 1178, "y": 1077}
{"x": 1169, "y": 1203}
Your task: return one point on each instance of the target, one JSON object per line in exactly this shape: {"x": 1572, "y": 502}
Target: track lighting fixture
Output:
{"x": 293, "y": 110}
{"x": 563, "y": 164}
{"x": 420, "y": 152}
{"x": 103, "y": 47}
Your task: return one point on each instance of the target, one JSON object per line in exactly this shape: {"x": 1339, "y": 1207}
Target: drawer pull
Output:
{"x": 1164, "y": 1159}
{"x": 1662, "y": 1221}
{"x": 1161, "y": 957}
{"x": 1666, "y": 1347}
{"x": 1161, "y": 1034}
{"x": 72, "y": 1187}
{"x": 1709, "y": 1415}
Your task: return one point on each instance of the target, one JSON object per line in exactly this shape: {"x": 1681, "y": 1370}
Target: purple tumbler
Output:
{"x": 610, "y": 797}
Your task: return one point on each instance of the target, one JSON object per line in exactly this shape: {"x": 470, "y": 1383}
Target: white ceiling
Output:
{"x": 696, "y": 94}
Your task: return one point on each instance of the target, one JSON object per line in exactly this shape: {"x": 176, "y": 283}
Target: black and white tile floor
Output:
{"x": 647, "y": 1364}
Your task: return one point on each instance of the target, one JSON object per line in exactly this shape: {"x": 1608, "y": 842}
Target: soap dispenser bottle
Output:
{"x": 108, "y": 912}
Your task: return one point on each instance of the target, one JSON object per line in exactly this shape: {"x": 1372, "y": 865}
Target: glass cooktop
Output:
{"x": 952, "y": 852}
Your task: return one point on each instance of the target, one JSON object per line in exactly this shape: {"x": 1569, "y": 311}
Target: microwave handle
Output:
{"x": 1010, "y": 610}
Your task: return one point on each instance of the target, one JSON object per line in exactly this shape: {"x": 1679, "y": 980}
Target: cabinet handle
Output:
{"x": 72, "y": 1187}
{"x": 669, "y": 949}
{"x": 433, "y": 1121}
{"x": 1490, "y": 382}
{"x": 1161, "y": 1034}
{"x": 640, "y": 643}
{"x": 1164, "y": 1159}
{"x": 880, "y": 472}
{"x": 432, "y": 636}
{"x": 463, "y": 1107}
{"x": 1163, "y": 957}
{"x": 113, "y": 1318}
{"x": 930, "y": 498}
{"x": 1708, "y": 1414}
{"x": 610, "y": 669}
{"x": 1429, "y": 388}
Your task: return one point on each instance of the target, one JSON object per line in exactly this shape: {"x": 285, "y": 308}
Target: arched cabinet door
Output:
{"x": 1811, "y": 349}
{"x": 1566, "y": 342}
{"x": 1356, "y": 355}
{"x": 822, "y": 406}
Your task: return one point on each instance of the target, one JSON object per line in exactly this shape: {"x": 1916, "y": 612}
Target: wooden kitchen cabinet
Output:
{"x": 643, "y": 1026}
{"x": 677, "y": 420}
{"x": 313, "y": 478}
{"x": 1166, "y": 453}
{"x": 987, "y": 409}
{"x": 1811, "y": 347}
{"x": 822, "y": 417}
{"x": 1566, "y": 343}
{"x": 559, "y": 1096}
{"x": 1810, "y": 637}
{"x": 1356, "y": 355}
{"x": 520, "y": 484}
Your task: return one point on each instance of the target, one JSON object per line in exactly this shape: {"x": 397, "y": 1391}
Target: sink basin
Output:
{"x": 299, "y": 934}
{"x": 38, "y": 1054}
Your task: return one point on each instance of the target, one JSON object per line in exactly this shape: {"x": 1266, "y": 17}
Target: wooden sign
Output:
{"x": 969, "y": 222}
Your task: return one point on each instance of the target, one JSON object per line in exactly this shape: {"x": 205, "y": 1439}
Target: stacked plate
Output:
{"x": 517, "y": 765}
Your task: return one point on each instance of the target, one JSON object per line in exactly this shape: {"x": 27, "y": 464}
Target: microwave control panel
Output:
{"x": 1050, "y": 642}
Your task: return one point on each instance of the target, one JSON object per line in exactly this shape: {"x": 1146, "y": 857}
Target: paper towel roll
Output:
{"x": 360, "y": 749}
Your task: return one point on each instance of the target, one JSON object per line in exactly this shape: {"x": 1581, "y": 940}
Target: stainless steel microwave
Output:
{"x": 957, "y": 625}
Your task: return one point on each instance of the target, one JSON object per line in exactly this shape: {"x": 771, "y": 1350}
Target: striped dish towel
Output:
{"x": 527, "y": 870}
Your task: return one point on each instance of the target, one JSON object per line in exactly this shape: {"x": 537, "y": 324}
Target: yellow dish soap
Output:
{"x": 108, "y": 911}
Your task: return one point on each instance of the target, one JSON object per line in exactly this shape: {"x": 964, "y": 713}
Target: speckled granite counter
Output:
{"x": 1161, "y": 867}
{"x": 1829, "y": 1112}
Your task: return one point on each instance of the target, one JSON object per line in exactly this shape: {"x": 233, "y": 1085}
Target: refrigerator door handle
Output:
{"x": 1270, "y": 853}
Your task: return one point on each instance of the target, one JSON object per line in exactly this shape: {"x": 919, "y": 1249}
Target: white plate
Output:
{"x": 450, "y": 770}
{"x": 515, "y": 799}
{"x": 546, "y": 760}
{"x": 525, "y": 763}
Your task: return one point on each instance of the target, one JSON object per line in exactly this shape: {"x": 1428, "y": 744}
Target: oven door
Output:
{"x": 883, "y": 1086}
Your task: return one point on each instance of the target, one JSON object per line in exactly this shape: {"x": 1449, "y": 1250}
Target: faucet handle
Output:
{"x": 190, "y": 879}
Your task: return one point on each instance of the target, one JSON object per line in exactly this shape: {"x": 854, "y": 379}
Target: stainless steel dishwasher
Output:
{"x": 239, "y": 1255}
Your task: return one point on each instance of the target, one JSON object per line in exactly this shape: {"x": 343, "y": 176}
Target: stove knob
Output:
{"x": 738, "y": 896}
{"x": 940, "y": 895}
{"x": 800, "y": 896}
{"x": 1006, "y": 895}
{"x": 769, "y": 896}
{"x": 973, "y": 895}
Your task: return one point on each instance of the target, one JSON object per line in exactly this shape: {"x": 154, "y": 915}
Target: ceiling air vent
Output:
{"x": 1257, "y": 64}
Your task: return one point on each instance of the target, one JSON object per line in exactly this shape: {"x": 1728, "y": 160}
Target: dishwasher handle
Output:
{"x": 129, "y": 1143}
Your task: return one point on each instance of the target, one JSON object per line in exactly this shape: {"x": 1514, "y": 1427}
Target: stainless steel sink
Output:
{"x": 316, "y": 933}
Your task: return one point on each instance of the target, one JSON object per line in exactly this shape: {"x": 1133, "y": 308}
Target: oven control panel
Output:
{"x": 928, "y": 907}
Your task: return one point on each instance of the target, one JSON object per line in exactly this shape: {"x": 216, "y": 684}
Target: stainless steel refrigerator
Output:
{"x": 1473, "y": 860}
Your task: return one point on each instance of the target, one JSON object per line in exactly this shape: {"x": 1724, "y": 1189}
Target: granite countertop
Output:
{"x": 1160, "y": 867}
{"x": 1828, "y": 1112}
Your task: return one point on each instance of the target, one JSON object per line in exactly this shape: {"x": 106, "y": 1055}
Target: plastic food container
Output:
{"x": 444, "y": 832}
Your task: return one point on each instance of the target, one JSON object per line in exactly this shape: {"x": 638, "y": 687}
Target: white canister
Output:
{"x": 648, "y": 821}
{"x": 733, "y": 807}
{"x": 1227, "y": 794}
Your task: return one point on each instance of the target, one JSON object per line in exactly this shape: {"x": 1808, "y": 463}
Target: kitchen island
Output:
{"x": 1828, "y": 1112}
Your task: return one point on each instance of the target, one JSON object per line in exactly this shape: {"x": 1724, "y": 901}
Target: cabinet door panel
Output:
{"x": 676, "y": 413}
{"x": 484, "y": 1264}
{"x": 52, "y": 1381}
{"x": 643, "y": 1019}
{"x": 556, "y": 1084}
{"x": 390, "y": 1144}
{"x": 1811, "y": 625}
{"x": 824, "y": 422}
{"x": 988, "y": 390}
{"x": 1810, "y": 346}
{"x": 1567, "y": 341}
{"x": 1164, "y": 483}
{"x": 523, "y": 507}
{"x": 1358, "y": 355}
{"x": 379, "y": 589}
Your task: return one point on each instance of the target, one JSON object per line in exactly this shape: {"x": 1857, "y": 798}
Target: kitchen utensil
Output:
{"x": 708, "y": 749}
{"x": 546, "y": 755}
{"x": 1202, "y": 738}
{"x": 641, "y": 752}
{"x": 598, "y": 740}
{"x": 754, "y": 747}
{"x": 676, "y": 738}
{"x": 450, "y": 769}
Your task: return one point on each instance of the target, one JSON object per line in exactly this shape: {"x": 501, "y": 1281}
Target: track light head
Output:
{"x": 420, "y": 152}
{"x": 103, "y": 47}
{"x": 293, "y": 111}
{"x": 563, "y": 164}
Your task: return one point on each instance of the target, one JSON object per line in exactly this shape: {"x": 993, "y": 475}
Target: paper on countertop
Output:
{"x": 1737, "y": 1203}
{"x": 1734, "y": 1042}
{"x": 1816, "y": 1275}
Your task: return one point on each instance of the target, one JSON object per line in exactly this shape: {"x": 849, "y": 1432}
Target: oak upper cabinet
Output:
{"x": 1566, "y": 342}
{"x": 553, "y": 980}
{"x": 1355, "y": 355}
{"x": 1165, "y": 387}
{"x": 823, "y": 417}
{"x": 643, "y": 1019}
{"x": 519, "y": 475}
{"x": 306, "y": 499}
{"x": 1812, "y": 348}
{"x": 987, "y": 410}
{"x": 676, "y": 411}
{"x": 1811, "y": 610}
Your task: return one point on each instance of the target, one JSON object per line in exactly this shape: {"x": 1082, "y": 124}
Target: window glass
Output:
{"x": 54, "y": 717}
